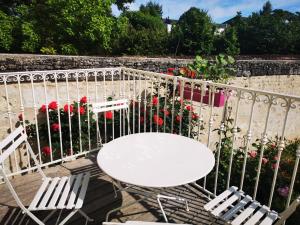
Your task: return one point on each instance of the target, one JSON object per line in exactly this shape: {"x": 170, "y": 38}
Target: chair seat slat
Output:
{"x": 236, "y": 196}
{"x": 270, "y": 218}
{"x": 209, "y": 206}
{"x": 74, "y": 191}
{"x": 57, "y": 193}
{"x": 39, "y": 194}
{"x": 245, "y": 214}
{"x": 82, "y": 193}
{"x": 48, "y": 193}
{"x": 65, "y": 193}
{"x": 233, "y": 211}
{"x": 258, "y": 215}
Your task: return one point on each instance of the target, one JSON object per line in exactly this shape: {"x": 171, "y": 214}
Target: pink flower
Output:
{"x": 43, "y": 109}
{"x": 68, "y": 108}
{"x": 252, "y": 154}
{"x": 284, "y": 191}
{"x": 46, "y": 150}
{"x": 52, "y": 105}
{"x": 264, "y": 160}
{"x": 55, "y": 127}
{"x": 83, "y": 100}
{"x": 155, "y": 100}
{"x": 178, "y": 118}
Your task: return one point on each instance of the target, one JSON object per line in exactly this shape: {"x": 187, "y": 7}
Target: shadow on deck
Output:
{"x": 100, "y": 199}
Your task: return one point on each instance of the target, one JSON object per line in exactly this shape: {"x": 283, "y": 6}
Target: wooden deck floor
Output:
{"x": 100, "y": 199}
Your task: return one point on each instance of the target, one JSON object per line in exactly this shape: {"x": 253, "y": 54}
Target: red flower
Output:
{"x": 170, "y": 71}
{"x": 178, "y": 118}
{"x": 55, "y": 127}
{"x": 43, "y": 109}
{"x": 273, "y": 146}
{"x": 142, "y": 119}
{"x": 252, "y": 154}
{"x": 264, "y": 160}
{"x": 81, "y": 110}
{"x": 83, "y": 100}
{"x": 52, "y": 105}
{"x": 166, "y": 112}
{"x": 68, "y": 108}
{"x": 109, "y": 115}
{"x": 46, "y": 150}
{"x": 189, "y": 108}
{"x": 155, "y": 100}
{"x": 20, "y": 117}
{"x": 158, "y": 120}
{"x": 274, "y": 166}
{"x": 194, "y": 116}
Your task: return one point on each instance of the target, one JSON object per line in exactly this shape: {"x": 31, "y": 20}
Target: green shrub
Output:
{"x": 48, "y": 50}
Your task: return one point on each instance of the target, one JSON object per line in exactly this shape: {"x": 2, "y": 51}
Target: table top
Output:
{"x": 155, "y": 159}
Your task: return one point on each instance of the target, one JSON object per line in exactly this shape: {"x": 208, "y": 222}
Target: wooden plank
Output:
{"x": 82, "y": 193}
{"x": 12, "y": 147}
{"x": 11, "y": 137}
{"x": 62, "y": 202}
{"x": 74, "y": 191}
{"x": 57, "y": 193}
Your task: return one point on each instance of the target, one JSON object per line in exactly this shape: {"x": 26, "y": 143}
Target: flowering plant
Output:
{"x": 268, "y": 165}
{"x": 218, "y": 70}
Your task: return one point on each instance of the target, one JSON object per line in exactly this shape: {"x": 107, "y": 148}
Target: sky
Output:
{"x": 219, "y": 10}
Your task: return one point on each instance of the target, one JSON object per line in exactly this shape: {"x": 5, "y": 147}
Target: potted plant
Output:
{"x": 219, "y": 71}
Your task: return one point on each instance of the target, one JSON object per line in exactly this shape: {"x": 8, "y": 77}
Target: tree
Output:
{"x": 267, "y": 8}
{"x": 196, "y": 32}
{"x": 152, "y": 9}
{"x": 6, "y": 31}
{"x": 227, "y": 42}
{"x": 146, "y": 33}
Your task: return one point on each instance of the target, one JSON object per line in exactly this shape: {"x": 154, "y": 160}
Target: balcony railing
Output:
{"x": 249, "y": 130}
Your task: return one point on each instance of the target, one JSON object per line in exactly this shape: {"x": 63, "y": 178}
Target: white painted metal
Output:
{"x": 247, "y": 211}
{"x": 140, "y": 223}
{"x": 152, "y": 159}
{"x": 51, "y": 189}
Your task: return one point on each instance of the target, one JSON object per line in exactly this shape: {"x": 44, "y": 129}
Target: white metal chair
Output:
{"x": 236, "y": 208}
{"x": 140, "y": 223}
{"x": 56, "y": 193}
{"x": 111, "y": 106}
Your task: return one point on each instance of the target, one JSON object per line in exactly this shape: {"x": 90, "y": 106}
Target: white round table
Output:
{"x": 155, "y": 160}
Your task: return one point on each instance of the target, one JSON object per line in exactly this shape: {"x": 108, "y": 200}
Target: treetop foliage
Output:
{"x": 88, "y": 27}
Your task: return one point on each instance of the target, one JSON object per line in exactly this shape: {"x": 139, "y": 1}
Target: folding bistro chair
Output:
{"x": 55, "y": 193}
{"x": 107, "y": 106}
{"x": 236, "y": 208}
{"x": 141, "y": 223}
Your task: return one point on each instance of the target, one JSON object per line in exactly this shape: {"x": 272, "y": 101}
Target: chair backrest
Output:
{"x": 110, "y": 105}
{"x": 11, "y": 143}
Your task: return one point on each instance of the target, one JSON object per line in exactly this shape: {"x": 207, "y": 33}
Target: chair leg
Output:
{"x": 162, "y": 209}
{"x": 68, "y": 217}
{"x": 48, "y": 216}
{"x": 85, "y": 215}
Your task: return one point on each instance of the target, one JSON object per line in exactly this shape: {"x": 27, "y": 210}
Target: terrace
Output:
{"x": 249, "y": 131}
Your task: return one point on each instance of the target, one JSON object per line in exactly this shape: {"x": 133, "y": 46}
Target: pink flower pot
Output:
{"x": 219, "y": 100}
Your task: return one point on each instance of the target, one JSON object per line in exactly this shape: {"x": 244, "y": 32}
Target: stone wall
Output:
{"x": 24, "y": 62}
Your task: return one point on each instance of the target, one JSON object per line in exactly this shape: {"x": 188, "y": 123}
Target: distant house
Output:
{"x": 222, "y": 26}
{"x": 169, "y": 23}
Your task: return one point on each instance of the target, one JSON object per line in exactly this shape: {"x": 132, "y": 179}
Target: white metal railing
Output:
{"x": 247, "y": 115}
